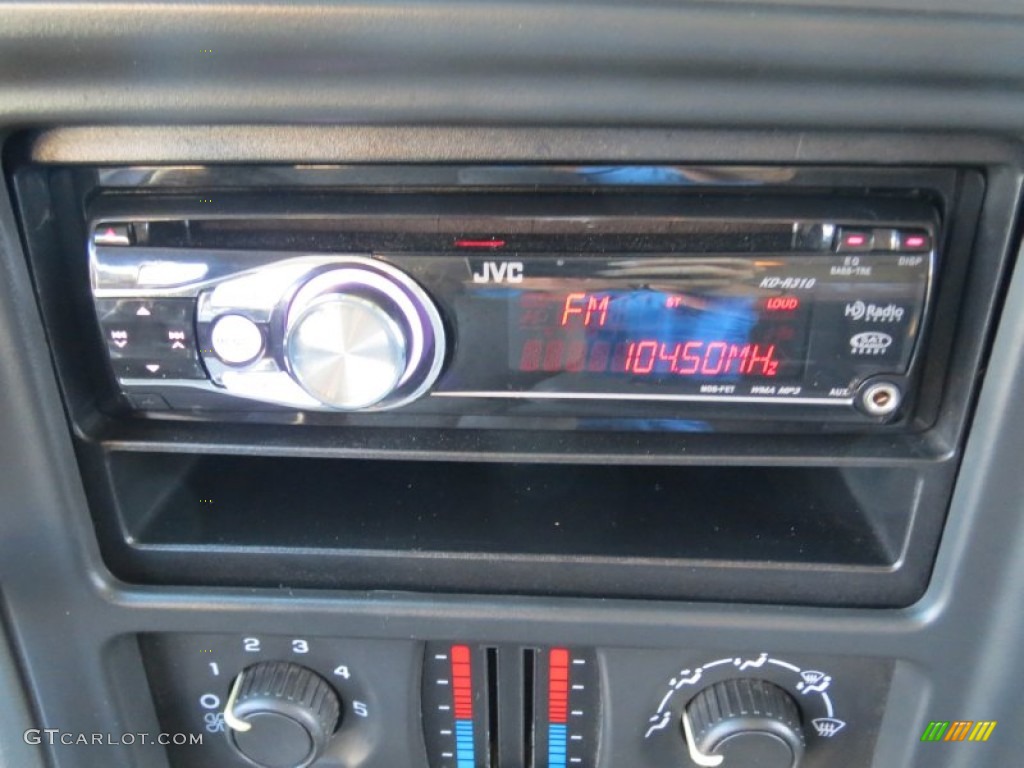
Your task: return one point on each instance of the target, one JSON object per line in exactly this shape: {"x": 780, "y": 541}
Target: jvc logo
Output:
{"x": 499, "y": 272}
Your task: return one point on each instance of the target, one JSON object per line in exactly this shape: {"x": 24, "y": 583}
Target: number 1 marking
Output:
{"x": 214, "y": 668}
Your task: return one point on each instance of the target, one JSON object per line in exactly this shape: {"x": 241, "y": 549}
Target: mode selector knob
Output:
{"x": 362, "y": 335}
{"x": 281, "y": 715}
{"x": 745, "y": 723}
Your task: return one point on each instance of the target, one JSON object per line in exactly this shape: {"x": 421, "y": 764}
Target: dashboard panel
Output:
{"x": 675, "y": 564}
{"x": 680, "y": 488}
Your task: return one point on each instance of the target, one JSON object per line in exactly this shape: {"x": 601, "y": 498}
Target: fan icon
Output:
{"x": 827, "y": 727}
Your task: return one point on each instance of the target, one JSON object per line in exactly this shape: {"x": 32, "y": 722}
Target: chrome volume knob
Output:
{"x": 362, "y": 335}
{"x": 347, "y": 352}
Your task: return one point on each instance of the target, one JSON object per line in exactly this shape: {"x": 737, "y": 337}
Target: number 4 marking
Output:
{"x": 342, "y": 671}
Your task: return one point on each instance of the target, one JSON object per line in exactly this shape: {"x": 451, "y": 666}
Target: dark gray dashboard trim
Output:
{"x": 297, "y": 144}
{"x": 507, "y": 62}
{"x": 957, "y": 648}
{"x": 15, "y": 751}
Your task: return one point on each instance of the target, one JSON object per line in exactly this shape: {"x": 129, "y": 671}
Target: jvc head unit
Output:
{"x": 662, "y": 313}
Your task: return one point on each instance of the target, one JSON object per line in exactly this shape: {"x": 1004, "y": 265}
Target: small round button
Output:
{"x": 236, "y": 340}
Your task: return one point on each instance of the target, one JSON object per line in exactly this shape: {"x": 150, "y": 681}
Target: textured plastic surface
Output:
{"x": 15, "y": 751}
{"x": 887, "y": 65}
{"x": 969, "y": 614}
{"x": 653, "y": 63}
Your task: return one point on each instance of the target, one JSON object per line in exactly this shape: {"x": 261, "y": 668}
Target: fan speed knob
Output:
{"x": 281, "y": 715}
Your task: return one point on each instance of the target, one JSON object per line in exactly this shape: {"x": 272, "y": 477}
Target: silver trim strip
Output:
{"x": 659, "y": 398}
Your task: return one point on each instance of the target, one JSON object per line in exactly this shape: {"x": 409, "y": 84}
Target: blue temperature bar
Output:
{"x": 464, "y": 744}
{"x": 557, "y": 745}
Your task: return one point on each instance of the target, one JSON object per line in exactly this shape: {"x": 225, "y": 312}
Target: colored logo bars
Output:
{"x": 958, "y": 730}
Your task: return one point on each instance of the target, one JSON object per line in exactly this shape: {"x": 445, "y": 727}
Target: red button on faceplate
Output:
{"x": 915, "y": 241}
{"x": 855, "y": 240}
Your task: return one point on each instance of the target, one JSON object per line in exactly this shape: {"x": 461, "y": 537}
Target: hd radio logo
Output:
{"x": 958, "y": 730}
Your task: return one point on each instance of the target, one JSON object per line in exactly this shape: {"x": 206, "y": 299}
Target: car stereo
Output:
{"x": 699, "y": 383}
{"x": 651, "y": 310}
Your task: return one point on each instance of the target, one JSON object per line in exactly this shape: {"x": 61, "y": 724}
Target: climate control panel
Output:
{"x": 294, "y": 702}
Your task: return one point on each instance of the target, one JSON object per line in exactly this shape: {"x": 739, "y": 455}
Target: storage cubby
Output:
{"x": 528, "y": 527}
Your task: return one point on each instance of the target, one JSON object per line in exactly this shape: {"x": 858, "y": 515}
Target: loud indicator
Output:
{"x": 567, "y": 727}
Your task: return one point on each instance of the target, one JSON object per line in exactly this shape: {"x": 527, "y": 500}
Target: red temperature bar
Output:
{"x": 558, "y": 686}
{"x": 462, "y": 682}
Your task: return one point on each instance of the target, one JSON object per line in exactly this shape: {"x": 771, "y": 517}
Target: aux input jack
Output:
{"x": 881, "y": 398}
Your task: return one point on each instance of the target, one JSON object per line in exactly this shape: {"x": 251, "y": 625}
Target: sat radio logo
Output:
{"x": 958, "y": 730}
